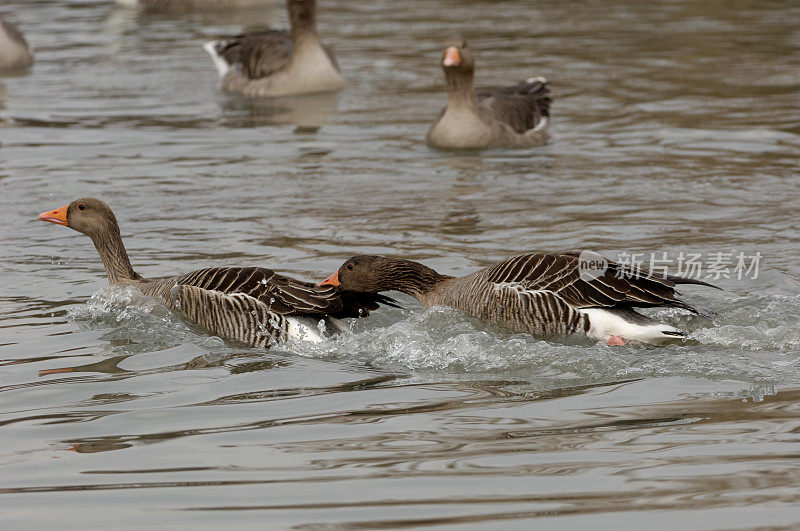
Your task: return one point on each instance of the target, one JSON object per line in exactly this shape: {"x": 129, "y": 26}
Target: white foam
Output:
{"x": 302, "y": 331}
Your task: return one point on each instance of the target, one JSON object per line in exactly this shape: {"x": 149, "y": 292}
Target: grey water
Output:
{"x": 676, "y": 130}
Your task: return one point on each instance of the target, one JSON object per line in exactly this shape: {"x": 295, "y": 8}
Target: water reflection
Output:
{"x": 308, "y": 112}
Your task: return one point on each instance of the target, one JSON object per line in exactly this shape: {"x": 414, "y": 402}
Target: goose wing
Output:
{"x": 257, "y": 54}
{"x": 256, "y": 305}
{"x": 521, "y": 107}
{"x": 283, "y": 295}
{"x": 618, "y": 286}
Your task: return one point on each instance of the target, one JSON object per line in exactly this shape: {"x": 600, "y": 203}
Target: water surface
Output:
{"x": 675, "y": 130}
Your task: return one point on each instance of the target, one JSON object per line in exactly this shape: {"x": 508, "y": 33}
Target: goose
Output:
{"x": 253, "y": 305}
{"x": 14, "y": 49}
{"x": 191, "y": 5}
{"x": 515, "y": 116}
{"x": 278, "y": 63}
{"x": 543, "y": 294}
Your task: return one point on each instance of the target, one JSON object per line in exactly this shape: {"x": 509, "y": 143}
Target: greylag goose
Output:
{"x": 502, "y": 117}
{"x": 278, "y": 63}
{"x": 14, "y": 49}
{"x": 249, "y": 304}
{"x": 544, "y": 294}
{"x": 191, "y": 5}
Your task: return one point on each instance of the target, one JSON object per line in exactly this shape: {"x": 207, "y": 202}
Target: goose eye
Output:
{"x": 349, "y": 267}
{"x": 81, "y": 206}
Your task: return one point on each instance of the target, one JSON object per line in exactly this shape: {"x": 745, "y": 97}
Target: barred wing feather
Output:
{"x": 617, "y": 287}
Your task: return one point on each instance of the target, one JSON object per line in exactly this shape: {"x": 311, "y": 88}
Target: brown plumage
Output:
{"x": 513, "y": 116}
{"x": 249, "y": 304}
{"x": 14, "y": 49}
{"x": 278, "y": 63}
{"x": 544, "y": 294}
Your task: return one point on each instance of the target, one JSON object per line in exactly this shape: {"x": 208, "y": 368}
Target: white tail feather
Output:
{"x": 605, "y": 323}
{"x": 543, "y": 124}
{"x": 220, "y": 63}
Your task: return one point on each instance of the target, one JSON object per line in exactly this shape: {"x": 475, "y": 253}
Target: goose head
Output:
{"x": 373, "y": 274}
{"x": 363, "y": 274}
{"x": 88, "y": 215}
{"x": 457, "y": 57}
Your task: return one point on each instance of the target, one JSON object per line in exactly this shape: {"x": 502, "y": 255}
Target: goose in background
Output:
{"x": 275, "y": 62}
{"x": 249, "y": 304}
{"x": 14, "y": 49}
{"x": 515, "y": 116}
{"x": 191, "y": 5}
{"x": 543, "y": 294}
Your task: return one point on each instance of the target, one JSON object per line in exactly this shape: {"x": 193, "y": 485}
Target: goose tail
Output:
{"x": 221, "y": 65}
{"x": 629, "y": 325}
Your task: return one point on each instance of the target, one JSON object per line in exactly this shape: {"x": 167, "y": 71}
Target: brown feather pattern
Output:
{"x": 618, "y": 286}
{"x": 520, "y": 107}
{"x": 251, "y": 304}
{"x": 257, "y": 54}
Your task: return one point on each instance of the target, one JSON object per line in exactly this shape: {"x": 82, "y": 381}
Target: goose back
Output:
{"x": 257, "y": 54}
{"x": 521, "y": 107}
{"x": 616, "y": 286}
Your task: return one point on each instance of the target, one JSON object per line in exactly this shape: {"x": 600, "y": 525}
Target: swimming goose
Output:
{"x": 278, "y": 63}
{"x": 502, "y": 117}
{"x": 191, "y": 5}
{"x": 249, "y": 304}
{"x": 14, "y": 49}
{"x": 544, "y": 294}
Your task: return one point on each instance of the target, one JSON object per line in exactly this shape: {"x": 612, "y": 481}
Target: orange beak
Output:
{"x": 451, "y": 57}
{"x": 58, "y": 215}
{"x": 332, "y": 280}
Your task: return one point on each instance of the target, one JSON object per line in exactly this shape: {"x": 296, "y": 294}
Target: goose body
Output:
{"x": 543, "y": 294}
{"x": 516, "y": 116}
{"x": 14, "y": 49}
{"x": 253, "y": 305}
{"x": 278, "y": 63}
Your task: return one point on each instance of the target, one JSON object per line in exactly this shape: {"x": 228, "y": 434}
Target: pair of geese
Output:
{"x": 543, "y": 294}
{"x": 279, "y": 63}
